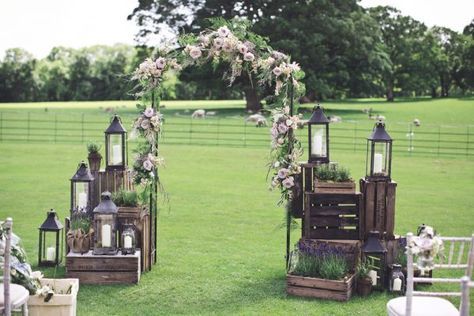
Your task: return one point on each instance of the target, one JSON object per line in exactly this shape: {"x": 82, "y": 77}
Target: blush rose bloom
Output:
{"x": 283, "y": 173}
{"x": 149, "y": 112}
{"x": 277, "y": 71}
{"x": 195, "y": 52}
{"x": 160, "y": 63}
{"x": 148, "y": 165}
{"x": 288, "y": 182}
{"x": 223, "y": 31}
{"x": 249, "y": 56}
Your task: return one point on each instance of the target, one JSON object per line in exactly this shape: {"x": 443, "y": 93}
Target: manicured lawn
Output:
{"x": 220, "y": 250}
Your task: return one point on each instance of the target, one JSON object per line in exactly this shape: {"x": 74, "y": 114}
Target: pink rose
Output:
{"x": 277, "y": 71}
{"x": 195, "y": 52}
{"x": 282, "y": 128}
{"x": 149, "y": 112}
{"x": 160, "y": 63}
{"x": 243, "y": 49}
{"x": 148, "y": 165}
{"x": 288, "y": 182}
{"x": 249, "y": 56}
{"x": 223, "y": 31}
{"x": 283, "y": 173}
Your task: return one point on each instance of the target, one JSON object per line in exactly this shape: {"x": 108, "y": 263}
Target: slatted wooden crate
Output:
{"x": 339, "y": 290}
{"x": 140, "y": 217}
{"x": 379, "y": 207}
{"x": 334, "y": 187}
{"x": 100, "y": 269}
{"x": 333, "y": 216}
{"x": 112, "y": 181}
{"x": 349, "y": 248}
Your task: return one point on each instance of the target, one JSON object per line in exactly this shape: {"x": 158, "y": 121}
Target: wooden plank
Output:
{"x": 334, "y": 233}
{"x": 334, "y": 187}
{"x": 381, "y": 195}
{"x": 307, "y": 217}
{"x": 105, "y": 277}
{"x": 334, "y": 210}
{"x": 361, "y": 215}
{"x": 308, "y": 179}
{"x": 368, "y": 189}
{"x": 99, "y": 263}
{"x": 390, "y": 210}
{"x": 298, "y": 197}
{"x": 336, "y": 285}
{"x": 316, "y": 293}
{"x": 334, "y": 198}
{"x": 334, "y": 221}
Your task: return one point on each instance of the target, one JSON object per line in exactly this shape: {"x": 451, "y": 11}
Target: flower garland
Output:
{"x": 228, "y": 42}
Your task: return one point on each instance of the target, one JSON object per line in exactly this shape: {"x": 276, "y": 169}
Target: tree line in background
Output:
{"x": 346, "y": 51}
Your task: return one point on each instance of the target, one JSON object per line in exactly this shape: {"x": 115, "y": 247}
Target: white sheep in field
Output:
{"x": 199, "y": 114}
{"x": 258, "y": 119}
{"x": 416, "y": 122}
{"x": 335, "y": 119}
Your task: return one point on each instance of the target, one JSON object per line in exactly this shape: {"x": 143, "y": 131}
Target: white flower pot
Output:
{"x": 59, "y": 304}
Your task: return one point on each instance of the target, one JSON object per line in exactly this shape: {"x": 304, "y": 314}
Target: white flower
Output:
{"x": 204, "y": 39}
{"x": 218, "y": 42}
{"x": 37, "y": 275}
{"x": 249, "y": 56}
{"x": 227, "y": 46}
{"x": 270, "y": 60}
{"x": 242, "y": 49}
{"x": 282, "y": 128}
{"x": 289, "y": 122}
{"x": 195, "y": 52}
{"x": 149, "y": 112}
{"x": 160, "y": 63}
{"x": 280, "y": 141}
{"x": 277, "y": 71}
{"x": 223, "y": 31}
{"x": 145, "y": 124}
{"x": 148, "y": 165}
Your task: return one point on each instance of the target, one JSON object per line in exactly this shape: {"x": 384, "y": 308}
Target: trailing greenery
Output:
{"x": 81, "y": 221}
{"x": 332, "y": 172}
{"x": 125, "y": 198}
{"x": 363, "y": 268}
{"x": 93, "y": 147}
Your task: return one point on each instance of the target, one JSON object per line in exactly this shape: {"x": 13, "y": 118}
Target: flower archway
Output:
{"x": 245, "y": 53}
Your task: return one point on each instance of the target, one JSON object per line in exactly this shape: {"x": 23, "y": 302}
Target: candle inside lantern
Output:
{"x": 116, "y": 155}
{"x": 397, "y": 284}
{"x": 317, "y": 146}
{"x": 378, "y": 158}
{"x": 127, "y": 242}
{"x": 373, "y": 277}
{"x": 82, "y": 200}
{"x": 50, "y": 253}
{"x": 106, "y": 234}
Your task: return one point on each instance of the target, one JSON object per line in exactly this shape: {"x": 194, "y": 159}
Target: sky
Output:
{"x": 39, "y": 25}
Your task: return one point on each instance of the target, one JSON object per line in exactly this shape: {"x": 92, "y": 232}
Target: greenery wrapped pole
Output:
{"x": 288, "y": 205}
{"x": 154, "y": 193}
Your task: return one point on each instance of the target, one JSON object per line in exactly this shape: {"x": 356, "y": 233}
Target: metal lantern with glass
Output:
{"x": 115, "y": 145}
{"x": 105, "y": 226}
{"x": 128, "y": 240}
{"x": 318, "y": 137}
{"x": 81, "y": 189}
{"x": 50, "y": 252}
{"x": 379, "y": 154}
{"x": 397, "y": 279}
{"x": 375, "y": 253}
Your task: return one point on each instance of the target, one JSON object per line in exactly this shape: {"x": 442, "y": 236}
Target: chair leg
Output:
{"x": 24, "y": 310}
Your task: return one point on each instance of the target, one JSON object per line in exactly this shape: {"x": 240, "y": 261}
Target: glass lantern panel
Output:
{"x": 115, "y": 150}
{"x": 375, "y": 269}
{"x": 380, "y": 166}
{"x": 105, "y": 230}
{"x": 49, "y": 246}
{"x": 81, "y": 196}
{"x": 318, "y": 141}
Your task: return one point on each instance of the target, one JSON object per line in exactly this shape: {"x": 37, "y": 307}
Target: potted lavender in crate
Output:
{"x": 320, "y": 270}
{"x": 331, "y": 178}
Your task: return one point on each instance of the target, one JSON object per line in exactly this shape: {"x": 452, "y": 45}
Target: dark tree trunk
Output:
{"x": 390, "y": 91}
{"x": 252, "y": 99}
{"x": 433, "y": 92}
{"x": 441, "y": 82}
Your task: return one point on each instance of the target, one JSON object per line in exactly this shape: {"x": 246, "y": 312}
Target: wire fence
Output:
{"x": 235, "y": 132}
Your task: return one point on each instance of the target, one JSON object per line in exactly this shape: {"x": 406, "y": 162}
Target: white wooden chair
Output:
{"x": 12, "y": 296}
{"x": 417, "y": 303}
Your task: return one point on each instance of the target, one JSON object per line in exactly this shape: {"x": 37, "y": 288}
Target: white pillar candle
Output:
{"x": 397, "y": 284}
{"x": 378, "y": 158}
{"x": 82, "y": 200}
{"x": 106, "y": 234}
{"x": 373, "y": 277}
{"x": 51, "y": 254}
{"x": 317, "y": 146}
{"x": 116, "y": 154}
{"x": 127, "y": 242}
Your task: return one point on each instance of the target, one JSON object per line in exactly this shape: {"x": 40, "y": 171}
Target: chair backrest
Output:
{"x": 7, "y": 226}
{"x": 458, "y": 263}
{"x": 466, "y": 284}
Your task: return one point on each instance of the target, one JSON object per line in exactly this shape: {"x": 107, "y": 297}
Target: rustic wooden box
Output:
{"x": 112, "y": 181}
{"x": 333, "y": 216}
{"x": 350, "y": 248}
{"x": 101, "y": 269}
{"x": 379, "y": 207}
{"x": 140, "y": 217}
{"x": 334, "y": 187}
{"x": 339, "y": 290}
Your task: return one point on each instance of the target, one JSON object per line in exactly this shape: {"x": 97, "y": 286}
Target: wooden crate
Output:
{"x": 297, "y": 200}
{"x": 339, "y": 290}
{"x": 379, "y": 207}
{"x": 112, "y": 181}
{"x": 101, "y": 269}
{"x": 140, "y": 217}
{"x": 350, "y": 248}
{"x": 333, "y": 216}
{"x": 334, "y": 187}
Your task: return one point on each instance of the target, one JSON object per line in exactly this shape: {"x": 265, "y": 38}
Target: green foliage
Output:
{"x": 330, "y": 172}
{"x": 401, "y": 258}
{"x": 81, "y": 221}
{"x": 363, "y": 268}
{"x": 333, "y": 267}
{"x": 93, "y": 147}
{"x": 330, "y": 266}
{"x": 125, "y": 198}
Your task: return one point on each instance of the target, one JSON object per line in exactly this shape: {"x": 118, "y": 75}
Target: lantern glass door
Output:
{"x": 115, "y": 153}
{"x": 81, "y": 196}
{"x": 380, "y": 159}
{"x": 105, "y": 234}
{"x": 51, "y": 250}
{"x": 318, "y": 141}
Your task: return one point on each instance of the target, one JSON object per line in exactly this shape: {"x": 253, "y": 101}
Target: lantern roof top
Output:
{"x": 51, "y": 223}
{"x": 318, "y": 116}
{"x": 379, "y": 133}
{"x": 106, "y": 205}
{"x": 83, "y": 174}
{"x": 115, "y": 126}
{"x": 373, "y": 244}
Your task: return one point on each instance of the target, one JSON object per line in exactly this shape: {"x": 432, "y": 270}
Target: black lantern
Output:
{"x": 50, "y": 252}
{"x": 105, "y": 226}
{"x": 379, "y": 147}
{"x": 375, "y": 253}
{"x": 115, "y": 145}
{"x": 397, "y": 279}
{"x": 128, "y": 239}
{"x": 318, "y": 137}
{"x": 81, "y": 189}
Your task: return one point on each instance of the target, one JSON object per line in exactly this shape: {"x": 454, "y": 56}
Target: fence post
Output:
{"x": 467, "y": 143}
{"x": 82, "y": 129}
{"x": 55, "y": 128}
{"x": 28, "y": 128}
{"x": 355, "y": 136}
{"x": 1, "y": 126}
{"x": 245, "y": 134}
{"x": 190, "y": 132}
{"x": 439, "y": 138}
{"x": 218, "y": 130}
{"x": 410, "y": 138}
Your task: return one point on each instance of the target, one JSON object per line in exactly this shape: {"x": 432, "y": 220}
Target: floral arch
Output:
{"x": 231, "y": 43}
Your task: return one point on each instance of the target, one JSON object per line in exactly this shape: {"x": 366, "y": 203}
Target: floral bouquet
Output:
{"x": 148, "y": 124}
{"x": 426, "y": 246}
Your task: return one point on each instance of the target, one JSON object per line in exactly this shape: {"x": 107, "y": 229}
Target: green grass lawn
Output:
{"x": 220, "y": 250}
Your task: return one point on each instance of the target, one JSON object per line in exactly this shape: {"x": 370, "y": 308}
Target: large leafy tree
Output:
{"x": 17, "y": 83}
